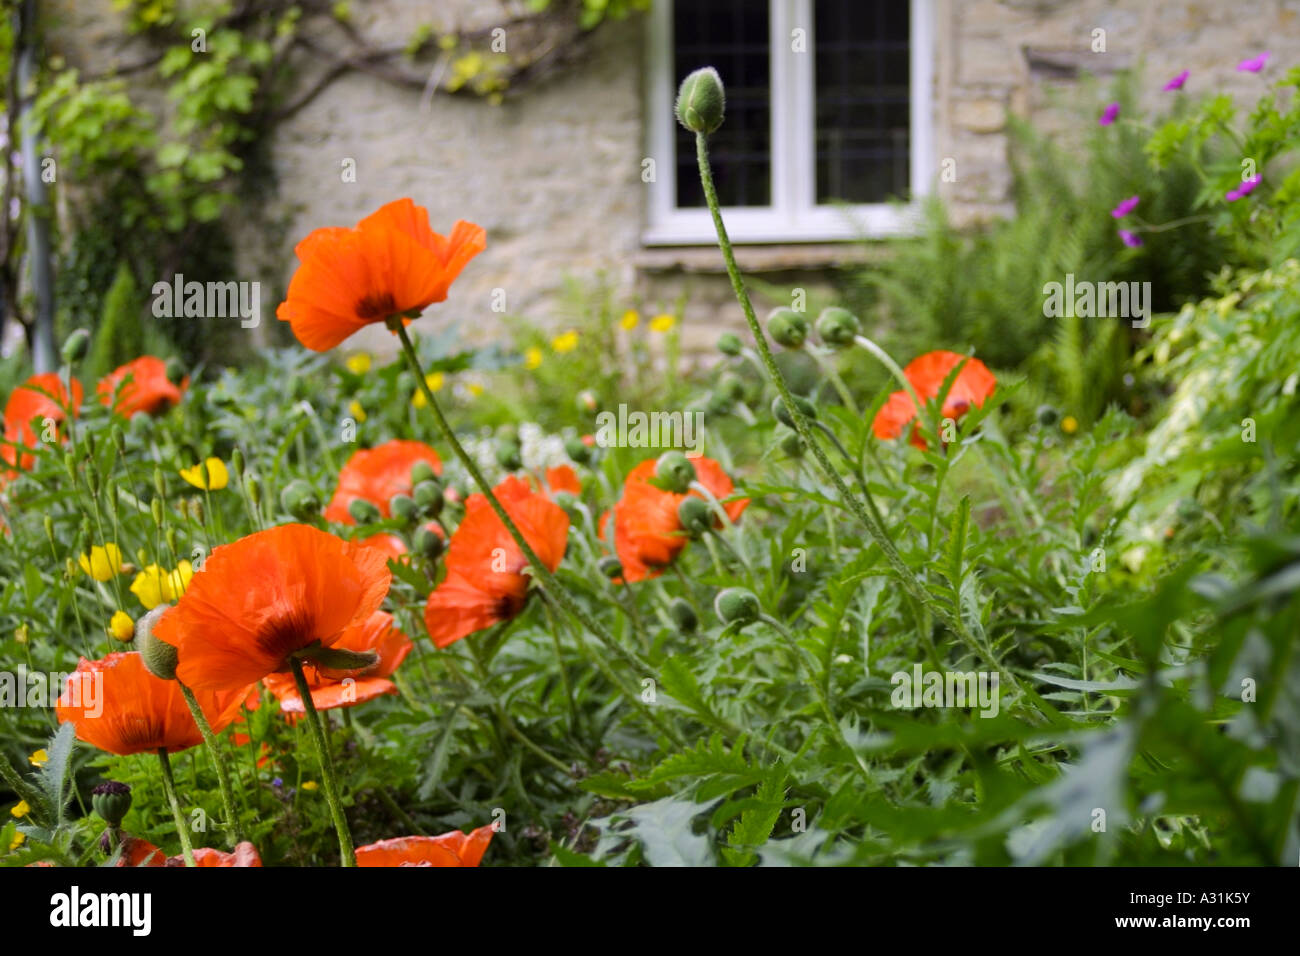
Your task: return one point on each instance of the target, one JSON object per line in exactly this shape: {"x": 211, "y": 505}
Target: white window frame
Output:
{"x": 794, "y": 215}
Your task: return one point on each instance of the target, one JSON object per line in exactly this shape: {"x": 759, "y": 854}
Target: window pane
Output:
{"x": 731, "y": 35}
{"x": 863, "y": 100}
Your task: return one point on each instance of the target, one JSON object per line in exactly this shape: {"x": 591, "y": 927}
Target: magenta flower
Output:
{"x": 1109, "y": 114}
{"x": 1254, "y": 64}
{"x": 1245, "y": 189}
{"x": 1177, "y": 82}
{"x": 1130, "y": 239}
{"x": 1125, "y": 207}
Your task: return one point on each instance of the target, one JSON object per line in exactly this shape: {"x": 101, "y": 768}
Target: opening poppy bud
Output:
{"x": 576, "y": 450}
{"x": 174, "y": 369}
{"x": 695, "y": 516}
{"x": 837, "y": 326}
{"x": 790, "y": 443}
{"x": 159, "y": 656}
{"x": 736, "y": 606}
{"x": 403, "y": 506}
{"x": 112, "y": 801}
{"x": 683, "y": 616}
{"x": 783, "y": 414}
{"x": 610, "y": 566}
{"x": 729, "y": 343}
{"x": 428, "y": 543}
{"x": 428, "y": 498}
{"x": 1048, "y": 416}
{"x": 300, "y": 499}
{"x": 421, "y": 471}
{"x": 509, "y": 456}
{"x": 363, "y": 512}
{"x": 701, "y": 101}
{"x": 338, "y": 658}
{"x": 674, "y": 472}
{"x": 788, "y": 327}
{"x": 586, "y": 400}
{"x": 75, "y": 346}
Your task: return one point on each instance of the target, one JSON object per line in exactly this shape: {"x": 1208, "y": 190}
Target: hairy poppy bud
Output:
{"x": 790, "y": 443}
{"x": 610, "y": 566}
{"x": 421, "y": 471}
{"x": 731, "y": 386}
{"x": 159, "y": 656}
{"x": 428, "y": 543}
{"x": 403, "y": 506}
{"x": 837, "y": 326}
{"x": 683, "y": 616}
{"x": 576, "y": 450}
{"x": 75, "y": 346}
{"x": 788, "y": 327}
{"x": 783, "y": 414}
{"x": 675, "y": 472}
{"x": 509, "y": 456}
{"x": 1048, "y": 416}
{"x": 337, "y": 658}
{"x": 362, "y": 511}
{"x": 429, "y": 498}
{"x": 112, "y": 801}
{"x": 701, "y": 101}
{"x": 736, "y": 606}
{"x": 729, "y": 343}
{"x": 695, "y": 515}
{"x": 174, "y": 369}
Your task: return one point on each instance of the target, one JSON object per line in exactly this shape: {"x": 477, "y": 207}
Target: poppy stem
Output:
{"x": 326, "y": 765}
{"x": 169, "y": 788}
{"x": 907, "y": 577}
{"x": 218, "y": 759}
{"x": 887, "y": 360}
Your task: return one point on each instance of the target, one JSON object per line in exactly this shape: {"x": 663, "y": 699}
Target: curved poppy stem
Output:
{"x": 887, "y": 360}
{"x": 326, "y": 765}
{"x": 219, "y": 759}
{"x": 907, "y": 577}
{"x": 169, "y": 788}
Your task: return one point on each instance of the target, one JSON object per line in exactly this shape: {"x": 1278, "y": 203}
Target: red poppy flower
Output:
{"x": 115, "y": 704}
{"x": 330, "y": 689}
{"x": 392, "y": 547}
{"x": 267, "y": 595}
{"x": 138, "y": 852}
{"x": 648, "y": 535}
{"x": 377, "y": 474}
{"x": 563, "y": 478}
{"x": 390, "y": 263}
{"x": 450, "y": 849}
{"x": 245, "y": 854}
{"x": 41, "y": 396}
{"x": 485, "y": 582}
{"x": 927, "y": 373}
{"x": 139, "y": 386}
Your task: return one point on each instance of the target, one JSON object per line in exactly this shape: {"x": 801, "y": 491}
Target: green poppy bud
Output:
{"x": 695, "y": 515}
{"x": 159, "y": 657}
{"x": 254, "y": 488}
{"x": 404, "y": 507}
{"x": 837, "y": 326}
{"x": 237, "y": 461}
{"x": 429, "y": 498}
{"x": 119, "y": 438}
{"x": 1048, "y": 416}
{"x": 577, "y": 450}
{"x": 421, "y": 471}
{"x": 787, "y": 327}
{"x": 783, "y": 414}
{"x": 174, "y": 369}
{"x": 428, "y": 543}
{"x": 300, "y": 500}
{"x": 112, "y": 801}
{"x": 156, "y": 510}
{"x": 363, "y": 512}
{"x": 75, "y": 346}
{"x": 683, "y": 616}
{"x": 789, "y": 442}
{"x": 509, "y": 456}
{"x": 701, "y": 101}
{"x": 610, "y": 566}
{"x": 675, "y": 472}
{"x": 729, "y": 343}
{"x": 731, "y": 385}
{"x": 737, "y": 606}
{"x": 159, "y": 483}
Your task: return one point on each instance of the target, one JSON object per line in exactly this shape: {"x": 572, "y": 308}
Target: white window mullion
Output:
{"x": 782, "y": 70}
{"x": 802, "y": 113}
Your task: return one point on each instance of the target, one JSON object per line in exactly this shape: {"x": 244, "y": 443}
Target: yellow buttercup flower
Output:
{"x": 475, "y": 389}
{"x": 121, "y": 626}
{"x": 358, "y": 364}
{"x": 39, "y": 759}
{"x": 218, "y": 476}
{"x": 662, "y": 322}
{"x": 309, "y": 785}
{"x": 103, "y": 563}
{"x": 21, "y": 810}
{"x": 435, "y": 381}
{"x": 178, "y": 581}
{"x": 356, "y": 411}
{"x": 565, "y": 342}
{"x": 1069, "y": 424}
{"x": 532, "y": 358}
{"x": 155, "y": 585}
{"x": 19, "y": 840}
{"x": 631, "y": 318}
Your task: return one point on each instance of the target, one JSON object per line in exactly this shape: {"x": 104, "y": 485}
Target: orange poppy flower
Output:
{"x": 41, "y": 396}
{"x": 139, "y": 386}
{"x": 563, "y": 478}
{"x": 377, "y": 474}
{"x": 115, "y": 704}
{"x": 648, "y": 535}
{"x": 267, "y": 595}
{"x": 391, "y": 263}
{"x": 485, "y": 582}
{"x": 450, "y": 849}
{"x": 330, "y": 689}
{"x": 927, "y": 373}
{"x": 245, "y": 854}
{"x": 138, "y": 852}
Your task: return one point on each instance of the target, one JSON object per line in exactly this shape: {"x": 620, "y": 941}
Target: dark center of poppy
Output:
{"x": 376, "y": 306}
{"x": 281, "y": 636}
{"x": 508, "y": 605}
